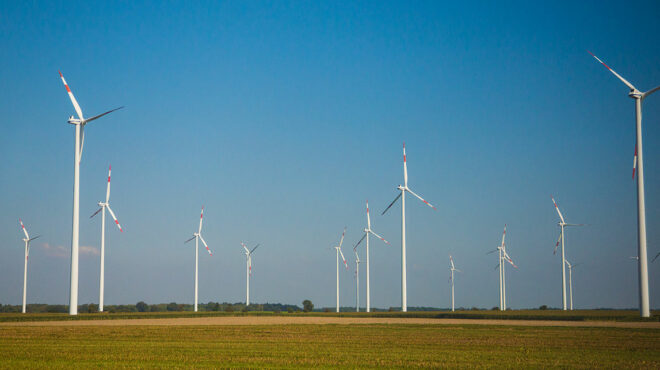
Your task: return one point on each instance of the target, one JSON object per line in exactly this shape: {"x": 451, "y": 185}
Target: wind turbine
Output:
{"x": 503, "y": 256}
{"x": 197, "y": 236}
{"x": 248, "y": 271}
{"x": 451, "y": 279}
{"x": 103, "y": 206}
{"x": 80, "y": 123}
{"x": 404, "y": 189}
{"x": 641, "y": 207}
{"x": 339, "y": 252}
{"x": 368, "y": 231}
{"x": 562, "y": 224}
{"x": 27, "y": 241}
{"x": 357, "y": 280}
{"x": 570, "y": 280}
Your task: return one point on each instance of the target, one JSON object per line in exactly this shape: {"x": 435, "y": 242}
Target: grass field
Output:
{"x": 328, "y": 346}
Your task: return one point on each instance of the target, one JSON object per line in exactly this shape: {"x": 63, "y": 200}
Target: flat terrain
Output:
{"x": 320, "y": 320}
{"x": 281, "y": 341}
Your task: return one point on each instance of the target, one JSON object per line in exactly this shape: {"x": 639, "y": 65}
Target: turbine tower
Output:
{"x": 197, "y": 236}
{"x": 80, "y": 123}
{"x": 339, "y": 252}
{"x": 503, "y": 256}
{"x": 357, "y": 280}
{"x": 641, "y": 210}
{"x": 27, "y": 241}
{"x": 452, "y": 268}
{"x": 570, "y": 280}
{"x": 103, "y": 206}
{"x": 368, "y": 231}
{"x": 248, "y": 271}
{"x": 562, "y": 224}
{"x": 404, "y": 189}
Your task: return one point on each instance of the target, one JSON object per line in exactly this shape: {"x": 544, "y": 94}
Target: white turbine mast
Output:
{"x": 248, "y": 270}
{"x": 80, "y": 123}
{"x": 357, "y": 280}
{"x": 570, "y": 280}
{"x": 339, "y": 252}
{"x": 562, "y": 224}
{"x": 368, "y": 231}
{"x": 503, "y": 257}
{"x": 198, "y": 236}
{"x": 27, "y": 241}
{"x": 404, "y": 189}
{"x": 452, "y": 269}
{"x": 103, "y": 206}
{"x": 638, "y": 161}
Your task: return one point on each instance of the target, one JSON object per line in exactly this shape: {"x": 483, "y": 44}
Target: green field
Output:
{"x": 350, "y": 346}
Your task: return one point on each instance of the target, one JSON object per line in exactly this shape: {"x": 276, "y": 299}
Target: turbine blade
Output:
{"x": 205, "y": 245}
{"x": 361, "y": 239}
{"x": 24, "y": 230}
{"x": 574, "y": 224}
{"x": 503, "y": 234}
{"x": 557, "y": 208}
{"x": 201, "y": 218}
{"x": 391, "y": 204}
{"x": 368, "y": 218}
{"x": 656, "y": 257}
{"x": 102, "y": 114}
{"x": 405, "y": 167}
{"x": 420, "y": 198}
{"x": 508, "y": 259}
{"x": 253, "y": 249}
{"x": 451, "y": 260}
{"x": 343, "y": 259}
{"x": 558, "y": 241}
{"x": 190, "y": 239}
{"x": 114, "y": 218}
{"x": 493, "y": 251}
{"x": 38, "y": 236}
{"x": 611, "y": 70}
{"x": 96, "y": 213}
{"x": 644, "y": 95}
{"x": 73, "y": 99}
{"x": 341, "y": 241}
{"x": 496, "y": 266}
{"x": 246, "y": 249}
{"x": 634, "y": 162}
{"x": 107, "y": 192}
{"x": 379, "y": 237}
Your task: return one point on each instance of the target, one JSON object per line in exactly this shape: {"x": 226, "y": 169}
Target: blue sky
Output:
{"x": 283, "y": 117}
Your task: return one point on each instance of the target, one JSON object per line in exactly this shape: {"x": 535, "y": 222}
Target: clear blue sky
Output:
{"x": 283, "y": 117}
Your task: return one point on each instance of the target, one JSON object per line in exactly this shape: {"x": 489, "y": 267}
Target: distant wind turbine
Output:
{"x": 404, "y": 189}
{"x": 339, "y": 252}
{"x": 570, "y": 279}
{"x": 27, "y": 241}
{"x": 641, "y": 207}
{"x": 357, "y": 280}
{"x": 503, "y": 256}
{"x": 103, "y": 206}
{"x": 451, "y": 279}
{"x": 80, "y": 123}
{"x": 562, "y": 224}
{"x": 368, "y": 231}
{"x": 198, "y": 236}
{"x": 248, "y": 271}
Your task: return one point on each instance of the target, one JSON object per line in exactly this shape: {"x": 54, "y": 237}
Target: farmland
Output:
{"x": 331, "y": 345}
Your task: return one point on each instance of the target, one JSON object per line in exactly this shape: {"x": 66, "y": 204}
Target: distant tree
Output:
{"x": 543, "y": 307}
{"x": 495, "y": 308}
{"x": 172, "y": 306}
{"x": 308, "y": 306}
{"x": 142, "y": 306}
{"x": 229, "y": 308}
{"x": 92, "y": 308}
{"x": 215, "y": 306}
{"x": 289, "y": 309}
{"x": 326, "y": 309}
{"x": 244, "y": 309}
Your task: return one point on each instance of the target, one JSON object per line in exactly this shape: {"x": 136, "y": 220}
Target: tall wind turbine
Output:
{"x": 641, "y": 207}
{"x": 503, "y": 256}
{"x": 404, "y": 189}
{"x": 197, "y": 236}
{"x": 562, "y": 224}
{"x": 357, "y": 280}
{"x": 452, "y": 268}
{"x": 27, "y": 241}
{"x": 103, "y": 206}
{"x": 80, "y": 123}
{"x": 368, "y": 231}
{"x": 570, "y": 280}
{"x": 248, "y": 271}
{"x": 339, "y": 252}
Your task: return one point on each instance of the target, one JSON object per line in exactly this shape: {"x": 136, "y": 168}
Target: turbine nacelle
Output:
{"x": 635, "y": 94}
{"x": 74, "y": 121}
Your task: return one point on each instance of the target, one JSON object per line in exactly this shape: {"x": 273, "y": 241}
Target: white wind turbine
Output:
{"x": 197, "y": 236}
{"x": 641, "y": 206}
{"x": 80, "y": 123}
{"x": 339, "y": 252}
{"x": 248, "y": 271}
{"x": 404, "y": 189}
{"x": 103, "y": 206}
{"x": 451, "y": 279}
{"x": 570, "y": 280}
{"x": 27, "y": 241}
{"x": 562, "y": 224}
{"x": 368, "y": 231}
{"x": 357, "y": 280}
{"x": 503, "y": 256}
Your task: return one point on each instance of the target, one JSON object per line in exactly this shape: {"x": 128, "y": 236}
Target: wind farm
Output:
{"x": 285, "y": 124}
